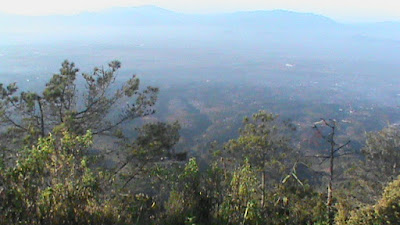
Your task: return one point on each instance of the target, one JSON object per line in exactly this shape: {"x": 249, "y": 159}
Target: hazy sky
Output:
{"x": 344, "y": 10}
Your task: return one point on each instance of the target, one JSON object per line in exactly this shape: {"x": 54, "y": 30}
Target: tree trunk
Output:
{"x": 263, "y": 187}
{"x": 330, "y": 191}
{"x": 41, "y": 117}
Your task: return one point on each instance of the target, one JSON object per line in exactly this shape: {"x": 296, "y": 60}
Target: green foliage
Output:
{"x": 259, "y": 138}
{"x": 295, "y": 203}
{"x": 53, "y": 183}
{"x": 157, "y": 139}
{"x": 382, "y": 148}
{"x": 370, "y": 176}
{"x": 385, "y": 211}
{"x": 382, "y": 153}
{"x": 240, "y": 205}
{"x": 154, "y": 144}
{"x": 50, "y": 182}
{"x": 188, "y": 203}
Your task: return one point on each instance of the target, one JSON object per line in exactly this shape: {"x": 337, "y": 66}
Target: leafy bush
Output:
{"x": 53, "y": 183}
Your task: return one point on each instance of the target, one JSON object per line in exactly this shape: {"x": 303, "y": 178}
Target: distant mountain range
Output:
{"x": 149, "y": 16}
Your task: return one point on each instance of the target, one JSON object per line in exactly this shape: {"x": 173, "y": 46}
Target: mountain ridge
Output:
{"x": 127, "y": 20}
{"x": 152, "y": 15}
{"x": 153, "y": 9}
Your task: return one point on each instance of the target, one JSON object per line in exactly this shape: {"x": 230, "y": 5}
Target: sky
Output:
{"x": 341, "y": 10}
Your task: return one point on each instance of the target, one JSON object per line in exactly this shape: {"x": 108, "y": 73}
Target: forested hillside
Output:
{"x": 90, "y": 149}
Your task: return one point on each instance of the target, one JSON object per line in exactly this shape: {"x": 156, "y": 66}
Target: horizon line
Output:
{"x": 344, "y": 21}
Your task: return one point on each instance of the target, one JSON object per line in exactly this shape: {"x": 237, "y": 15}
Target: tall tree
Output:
{"x": 35, "y": 114}
{"x": 334, "y": 152}
{"x": 265, "y": 141}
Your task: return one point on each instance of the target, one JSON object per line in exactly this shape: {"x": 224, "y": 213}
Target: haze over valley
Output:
{"x": 222, "y": 66}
